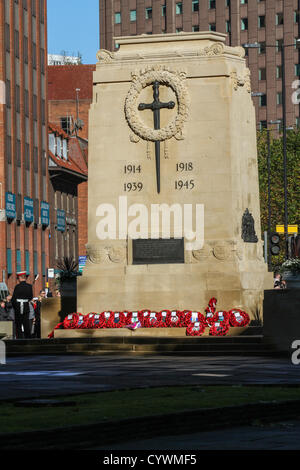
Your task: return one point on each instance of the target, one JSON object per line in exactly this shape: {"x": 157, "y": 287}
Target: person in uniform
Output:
{"x": 22, "y": 295}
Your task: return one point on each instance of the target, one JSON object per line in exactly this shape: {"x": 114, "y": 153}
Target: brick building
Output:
{"x": 70, "y": 94}
{"x": 269, "y": 22}
{"x": 67, "y": 170}
{"x": 24, "y": 211}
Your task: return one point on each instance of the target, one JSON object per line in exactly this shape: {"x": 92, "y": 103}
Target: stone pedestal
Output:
{"x": 208, "y": 157}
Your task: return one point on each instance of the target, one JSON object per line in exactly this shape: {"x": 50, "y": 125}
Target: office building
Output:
{"x": 271, "y": 23}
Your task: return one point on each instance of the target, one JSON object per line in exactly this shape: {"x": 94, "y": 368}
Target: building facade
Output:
{"x": 268, "y": 22}
{"x": 67, "y": 170}
{"x": 70, "y": 94}
{"x": 24, "y": 221}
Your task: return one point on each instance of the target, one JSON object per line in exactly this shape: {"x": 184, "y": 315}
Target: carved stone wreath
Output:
{"x": 172, "y": 79}
{"x": 100, "y": 255}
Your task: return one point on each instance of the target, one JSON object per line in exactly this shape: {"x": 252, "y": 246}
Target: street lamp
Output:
{"x": 283, "y": 46}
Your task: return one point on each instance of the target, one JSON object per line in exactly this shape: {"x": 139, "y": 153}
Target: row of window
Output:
{"x": 25, "y": 49}
{"x": 58, "y": 146}
{"x": 27, "y": 262}
{"x": 262, "y": 73}
{"x": 33, "y": 7}
{"x": 262, "y": 100}
{"x": 264, "y": 124}
{"x": 148, "y": 11}
{"x": 211, "y": 5}
{"x": 262, "y": 20}
{"x": 212, "y": 26}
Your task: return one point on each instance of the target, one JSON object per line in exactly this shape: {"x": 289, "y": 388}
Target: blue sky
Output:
{"x": 73, "y": 26}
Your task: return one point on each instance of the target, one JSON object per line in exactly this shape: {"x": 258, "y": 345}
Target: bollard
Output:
{"x": 2, "y": 352}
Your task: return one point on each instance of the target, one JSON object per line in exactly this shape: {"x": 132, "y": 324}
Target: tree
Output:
{"x": 277, "y": 183}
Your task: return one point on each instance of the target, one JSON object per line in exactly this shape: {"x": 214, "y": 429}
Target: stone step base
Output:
{"x": 114, "y": 342}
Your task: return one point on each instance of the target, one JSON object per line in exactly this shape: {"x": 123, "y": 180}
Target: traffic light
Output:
{"x": 274, "y": 244}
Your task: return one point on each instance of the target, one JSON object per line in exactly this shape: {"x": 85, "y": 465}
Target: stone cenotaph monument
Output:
{"x": 173, "y": 203}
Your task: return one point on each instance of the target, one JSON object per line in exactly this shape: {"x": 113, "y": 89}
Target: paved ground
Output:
{"x": 279, "y": 436}
{"x": 52, "y": 375}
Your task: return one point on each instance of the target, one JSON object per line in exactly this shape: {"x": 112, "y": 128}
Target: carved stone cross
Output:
{"x": 156, "y": 106}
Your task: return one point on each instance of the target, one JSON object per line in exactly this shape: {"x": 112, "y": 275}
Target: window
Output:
{"x": 163, "y": 10}
{"x": 263, "y": 125}
{"x": 297, "y": 70}
{"x": 262, "y": 74}
{"x": 279, "y": 71}
{"x": 7, "y": 37}
{"x": 279, "y": 19}
{"x": 17, "y": 98}
{"x": 244, "y": 2}
{"x": 195, "y": 28}
{"x": 43, "y": 264}
{"x": 35, "y": 263}
{"x": 279, "y": 44}
{"x": 279, "y": 98}
{"x": 195, "y": 5}
{"x": 17, "y": 52}
{"x": 263, "y": 100}
{"x": 212, "y": 27}
{"x": 262, "y": 48}
{"x": 9, "y": 263}
{"x": 66, "y": 124}
{"x": 179, "y": 8}
{"x": 297, "y": 125}
{"x": 262, "y": 21}
{"x": 58, "y": 146}
{"x": 296, "y": 16}
{"x": 228, "y": 27}
{"x": 25, "y": 49}
{"x": 27, "y": 262}
{"x": 118, "y": 17}
{"x": 52, "y": 143}
{"x": 178, "y": 30}
{"x": 212, "y": 4}
{"x": 18, "y": 261}
{"x": 148, "y": 13}
{"x": 65, "y": 149}
{"x": 244, "y": 24}
{"x": 227, "y": 3}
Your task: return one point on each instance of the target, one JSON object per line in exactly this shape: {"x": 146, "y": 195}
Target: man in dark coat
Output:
{"x": 22, "y": 295}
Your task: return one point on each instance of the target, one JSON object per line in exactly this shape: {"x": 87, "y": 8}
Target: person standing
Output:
{"x": 22, "y": 295}
{"x": 37, "y": 318}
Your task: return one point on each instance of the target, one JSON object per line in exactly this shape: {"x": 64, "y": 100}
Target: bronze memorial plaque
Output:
{"x": 158, "y": 251}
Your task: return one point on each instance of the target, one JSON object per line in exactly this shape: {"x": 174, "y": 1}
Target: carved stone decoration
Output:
{"x": 100, "y": 255}
{"x": 201, "y": 255}
{"x": 105, "y": 56}
{"x": 240, "y": 51}
{"x": 248, "y": 230}
{"x": 212, "y": 50}
{"x": 95, "y": 254}
{"x": 144, "y": 78}
{"x": 222, "y": 251}
{"x": 241, "y": 81}
{"x": 238, "y": 250}
{"x": 116, "y": 254}
{"x": 134, "y": 138}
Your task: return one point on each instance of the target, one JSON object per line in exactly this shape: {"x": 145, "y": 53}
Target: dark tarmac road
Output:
{"x": 35, "y": 376}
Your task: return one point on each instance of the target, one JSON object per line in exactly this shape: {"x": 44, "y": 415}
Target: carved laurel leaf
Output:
{"x": 146, "y": 77}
